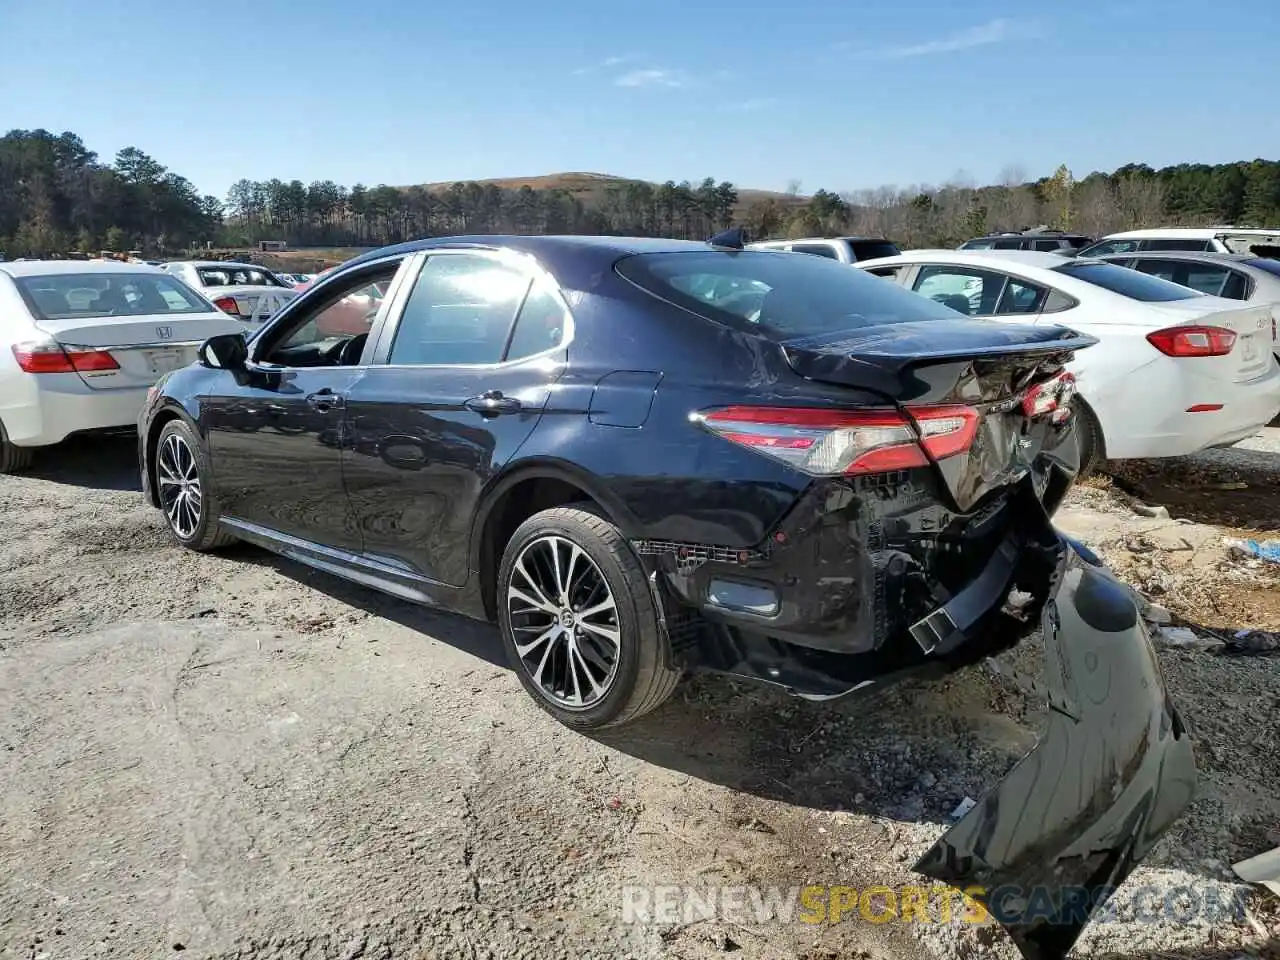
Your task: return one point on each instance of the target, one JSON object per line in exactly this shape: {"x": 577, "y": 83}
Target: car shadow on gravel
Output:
{"x": 470, "y": 636}
{"x": 100, "y": 462}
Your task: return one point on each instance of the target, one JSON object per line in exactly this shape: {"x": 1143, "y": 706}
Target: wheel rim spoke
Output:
{"x": 570, "y": 648}
{"x": 178, "y": 480}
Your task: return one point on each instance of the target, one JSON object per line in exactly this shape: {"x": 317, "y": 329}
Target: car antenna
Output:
{"x": 734, "y": 239}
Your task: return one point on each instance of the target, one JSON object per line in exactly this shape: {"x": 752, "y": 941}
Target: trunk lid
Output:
{"x": 1250, "y": 358}
{"x": 144, "y": 347}
{"x": 988, "y": 366}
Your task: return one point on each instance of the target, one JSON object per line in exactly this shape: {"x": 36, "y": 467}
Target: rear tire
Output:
{"x": 586, "y": 641}
{"x": 1089, "y": 437}
{"x": 186, "y": 496}
{"x": 13, "y": 459}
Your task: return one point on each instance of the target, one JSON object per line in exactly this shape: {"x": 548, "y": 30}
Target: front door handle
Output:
{"x": 493, "y": 403}
{"x": 325, "y": 400}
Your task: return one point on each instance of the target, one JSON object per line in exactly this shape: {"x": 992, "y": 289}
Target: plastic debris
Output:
{"x": 1263, "y": 869}
{"x": 1268, "y": 550}
{"x": 1246, "y": 642}
{"x": 963, "y": 807}
{"x": 1187, "y": 639}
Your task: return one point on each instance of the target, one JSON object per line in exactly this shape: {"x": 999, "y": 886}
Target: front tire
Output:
{"x": 579, "y": 621}
{"x": 186, "y": 497}
{"x": 12, "y": 459}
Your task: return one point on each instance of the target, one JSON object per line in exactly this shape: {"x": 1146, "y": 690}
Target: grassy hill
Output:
{"x": 589, "y": 186}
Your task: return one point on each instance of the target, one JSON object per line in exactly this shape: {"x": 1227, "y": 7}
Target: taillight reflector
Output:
{"x": 847, "y": 442}
{"x": 1193, "y": 341}
{"x": 227, "y": 305}
{"x": 46, "y": 356}
{"x": 1053, "y": 394}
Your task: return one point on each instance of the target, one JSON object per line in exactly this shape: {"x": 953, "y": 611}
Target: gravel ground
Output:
{"x": 232, "y": 756}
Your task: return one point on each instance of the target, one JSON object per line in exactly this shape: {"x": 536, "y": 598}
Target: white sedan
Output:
{"x": 81, "y": 342}
{"x": 1175, "y": 371}
{"x": 244, "y": 290}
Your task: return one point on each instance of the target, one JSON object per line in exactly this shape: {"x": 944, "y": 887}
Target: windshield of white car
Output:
{"x": 1128, "y": 283}
{"x": 238, "y": 276}
{"x": 63, "y": 296}
{"x": 779, "y": 294}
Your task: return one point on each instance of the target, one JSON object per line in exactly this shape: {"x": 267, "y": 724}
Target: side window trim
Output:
{"x": 302, "y": 304}
{"x": 390, "y": 321}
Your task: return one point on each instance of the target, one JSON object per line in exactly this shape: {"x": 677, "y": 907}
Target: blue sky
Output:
{"x": 841, "y": 95}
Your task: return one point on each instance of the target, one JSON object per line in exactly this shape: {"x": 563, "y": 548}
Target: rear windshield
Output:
{"x": 871, "y": 249}
{"x": 778, "y": 294}
{"x": 66, "y": 295}
{"x": 238, "y": 276}
{"x": 1128, "y": 283}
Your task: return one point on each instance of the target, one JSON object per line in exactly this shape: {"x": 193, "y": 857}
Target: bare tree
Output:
{"x": 1097, "y": 210}
{"x": 1141, "y": 201}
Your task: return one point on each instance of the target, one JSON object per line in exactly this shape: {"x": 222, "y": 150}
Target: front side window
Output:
{"x": 66, "y": 295}
{"x": 784, "y": 298}
{"x": 1106, "y": 247}
{"x": 333, "y": 329}
{"x": 966, "y": 290}
{"x": 460, "y": 311}
{"x": 1133, "y": 284}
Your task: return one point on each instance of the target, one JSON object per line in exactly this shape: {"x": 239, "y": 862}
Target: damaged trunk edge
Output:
{"x": 1046, "y": 848}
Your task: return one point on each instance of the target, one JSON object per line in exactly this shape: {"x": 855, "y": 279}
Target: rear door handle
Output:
{"x": 493, "y": 403}
{"x": 326, "y": 399}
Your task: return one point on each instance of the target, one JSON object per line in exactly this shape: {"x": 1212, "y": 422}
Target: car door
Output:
{"x": 275, "y": 432}
{"x": 459, "y": 378}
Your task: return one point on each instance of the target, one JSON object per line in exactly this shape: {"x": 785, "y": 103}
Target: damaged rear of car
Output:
{"x": 924, "y": 543}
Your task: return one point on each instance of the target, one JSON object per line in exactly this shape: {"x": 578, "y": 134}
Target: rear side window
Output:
{"x": 1048, "y": 246}
{"x": 66, "y": 295}
{"x": 1175, "y": 243}
{"x": 816, "y": 249}
{"x": 237, "y": 276}
{"x": 1014, "y": 244}
{"x": 460, "y": 312}
{"x": 873, "y": 249}
{"x": 1128, "y": 283}
{"x": 785, "y": 298}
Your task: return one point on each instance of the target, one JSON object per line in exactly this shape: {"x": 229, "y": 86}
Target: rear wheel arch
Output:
{"x": 517, "y": 496}
{"x": 12, "y": 459}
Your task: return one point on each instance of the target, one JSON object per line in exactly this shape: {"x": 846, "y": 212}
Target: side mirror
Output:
{"x": 227, "y": 351}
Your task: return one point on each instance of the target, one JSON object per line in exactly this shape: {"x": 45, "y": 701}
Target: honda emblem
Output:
{"x": 164, "y": 333}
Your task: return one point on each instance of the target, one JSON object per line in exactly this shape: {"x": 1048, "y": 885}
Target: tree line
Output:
{"x": 57, "y": 196}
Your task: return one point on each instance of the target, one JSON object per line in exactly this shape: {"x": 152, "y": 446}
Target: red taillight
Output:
{"x": 1193, "y": 341}
{"x": 835, "y": 442}
{"x": 1052, "y": 395}
{"x": 46, "y": 356}
{"x": 228, "y": 305}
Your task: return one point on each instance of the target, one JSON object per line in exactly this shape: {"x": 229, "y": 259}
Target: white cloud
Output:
{"x": 982, "y": 35}
{"x": 604, "y": 64}
{"x": 758, "y": 103}
{"x": 653, "y": 78}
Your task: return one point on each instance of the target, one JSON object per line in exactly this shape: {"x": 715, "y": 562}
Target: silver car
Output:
{"x": 1236, "y": 276}
{"x": 244, "y": 290}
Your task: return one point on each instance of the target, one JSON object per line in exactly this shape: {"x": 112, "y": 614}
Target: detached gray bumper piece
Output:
{"x": 1115, "y": 769}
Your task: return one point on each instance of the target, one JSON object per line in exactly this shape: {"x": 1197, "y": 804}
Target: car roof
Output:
{"x": 1188, "y": 233}
{"x": 48, "y": 268}
{"x": 216, "y": 264}
{"x": 1212, "y": 255}
{"x": 995, "y": 259}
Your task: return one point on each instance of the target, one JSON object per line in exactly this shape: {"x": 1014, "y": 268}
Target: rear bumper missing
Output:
{"x": 1047, "y": 847}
